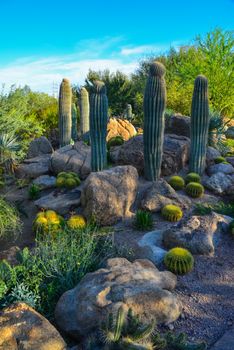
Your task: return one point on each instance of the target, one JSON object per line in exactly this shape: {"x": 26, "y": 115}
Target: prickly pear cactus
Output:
{"x": 74, "y": 123}
{"x": 84, "y": 113}
{"x": 199, "y": 125}
{"x": 65, "y": 122}
{"x": 98, "y": 126}
{"x": 154, "y": 107}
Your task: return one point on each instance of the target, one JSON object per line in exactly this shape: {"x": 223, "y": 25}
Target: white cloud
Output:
{"x": 143, "y": 49}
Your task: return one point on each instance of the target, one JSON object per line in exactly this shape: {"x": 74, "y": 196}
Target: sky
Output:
{"x": 42, "y": 41}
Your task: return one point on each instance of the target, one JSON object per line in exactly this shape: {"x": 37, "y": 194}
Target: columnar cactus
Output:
{"x": 154, "y": 107}
{"x": 199, "y": 125}
{"x": 74, "y": 123}
{"x": 65, "y": 98}
{"x": 84, "y": 112}
{"x": 129, "y": 112}
{"x": 98, "y": 126}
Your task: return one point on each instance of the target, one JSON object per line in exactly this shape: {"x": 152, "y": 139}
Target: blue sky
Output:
{"x": 42, "y": 41}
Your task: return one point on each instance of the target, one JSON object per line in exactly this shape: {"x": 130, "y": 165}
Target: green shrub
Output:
{"x": 220, "y": 208}
{"x": 67, "y": 180}
{"x": 192, "y": 177}
{"x": 172, "y": 212}
{"x": 219, "y": 160}
{"x": 34, "y": 191}
{"x": 143, "y": 220}
{"x": 10, "y": 223}
{"x": 179, "y": 261}
{"x": 194, "y": 189}
{"x": 115, "y": 141}
{"x": 177, "y": 182}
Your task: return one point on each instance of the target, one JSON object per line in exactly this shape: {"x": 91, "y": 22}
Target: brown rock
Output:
{"x": 120, "y": 127}
{"x": 22, "y": 328}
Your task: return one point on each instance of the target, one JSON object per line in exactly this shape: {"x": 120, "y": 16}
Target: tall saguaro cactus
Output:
{"x": 65, "y": 122}
{"x": 74, "y": 133}
{"x": 98, "y": 126}
{"x": 199, "y": 125}
{"x": 154, "y": 107}
{"x": 84, "y": 112}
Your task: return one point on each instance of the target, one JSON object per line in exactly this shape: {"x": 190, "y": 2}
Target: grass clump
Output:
{"x": 219, "y": 160}
{"x": 179, "y": 261}
{"x": 10, "y": 223}
{"x": 177, "y": 182}
{"x": 172, "y": 212}
{"x": 194, "y": 189}
{"x": 34, "y": 191}
{"x": 192, "y": 177}
{"x": 143, "y": 220}
{"x": 220, "y": 208}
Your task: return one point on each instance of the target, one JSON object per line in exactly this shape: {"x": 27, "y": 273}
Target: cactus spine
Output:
{"x": 65, "y": 98}
{"x": 199, "y": 125}
{"x": 154, "y": 107}
{"x": 74, "y": 123}
{"x": 98, "y": 126}
{"x": 84, "y": 112}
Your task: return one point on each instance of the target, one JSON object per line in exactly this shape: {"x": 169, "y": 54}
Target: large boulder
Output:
{"x": 230, "y": 133}
{"x": 45, "y": 181}
{"x": 220, "y": 183}
{"x": 195, "y": 233}
{"x": 160, "y": 193}
{"x": 109, "y": 194}
{"x": 211, "y": 154}
{"x": 76, "y": 158}
{"x": 120, "y": 127}
{"x": 138, "y": 285}
{"x": 220, "y": 168}
{"x": 178, "y": 124}
{"x": 22, "y": 328}
{"x": 34, "y": 167}
{"x": 39, "y": 147}
{"x": 175, "y": 153}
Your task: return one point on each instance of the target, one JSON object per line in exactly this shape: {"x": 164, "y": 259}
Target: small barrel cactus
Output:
{"x": 48, "y": 222}
{"x": 67, "y": 180}
{"x": 177, "y": 182}
{"x": 194, "y": 189}
{"x": 76, "y": 222}
{"x": 179, "y": 261}
{"x": 219, "y": 160}
{"x": 199, "y": 125}
{"x": 84, "y": 113}
{"x": 74, "y": 123}
{"x": 192, "y": 177}
{"x": 154, "y": 107}
{"x": 65, "y": 120}
{"x": 172, "y": 212}
{"x": 98, "y": 126}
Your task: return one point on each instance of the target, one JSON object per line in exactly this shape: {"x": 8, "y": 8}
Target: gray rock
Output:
{"x": 138, "y": 285}
{"x": 39, "y": 147}
{"x": 160, "y": 193}
{"x": 230, "y": 160}
{"x": 45, "y": 181}
{"x": 76, "y": 158}
{"x": 175, "y": 154}
{"x": 211, "y": 154}
{"x": 195, "y": 233}
{"x": 62, "y": 203}
{"x": 220, "y": 168}
{"x": 150, "y": 247}
{"x": 230, "y": 133}
{"x": 178, "y": 124}
{"x": 34, "y": 167}
{"x": 220, "y": 183}
{"x": 109, "y": 194}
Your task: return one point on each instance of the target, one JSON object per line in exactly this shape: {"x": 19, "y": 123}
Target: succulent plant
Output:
{"x": 154, "y": 107}
{"x": 98, "y": 126}
{"x": 84, "y": 113}
{"x": 115, "y": 141}
{"x": 194, "y": 189}
{"x": 172, "y": 212}
{"x": 192, "y": 177}
{"x": 143, "y": 220}
{"x": 199, "y": 125}
{"x": 34, "y": 191}
{"x": 48, "y": 222}
{"x": 74, "y": 132}
{"x": 219, "y": 160}
{"x": 177, "y": 182}
{"x": 76, "y": 222}
{"x": 65, "y": 121}
{"x": 179, "y": 261}
{"x": 67, "y": 180}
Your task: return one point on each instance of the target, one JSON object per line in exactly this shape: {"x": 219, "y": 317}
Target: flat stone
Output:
{"x": 45, "y": 181}
{"x": 61, "y": 202}
{"x": 150, "y": 247}
{"x": 220, "y": 168}
{"x": 34, "y": 167}
{"x": 211, "y": 154}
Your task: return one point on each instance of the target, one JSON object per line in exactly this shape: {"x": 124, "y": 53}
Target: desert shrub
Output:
{"x": 67, "y": 180}
{"x": 219, "y": 160}
{"x": 172, "y": 212}
{"x": 10, "y": 223}
{"x": 192, "y": 177}
{"x": 194, "y": 189}
{"x": 177, "y": 182}
{"x": 34, "y": 191}
{"x": 220, "y": 208}
{"x": 143, "y": 220}
{"x": 179, "y": 261}
{"x": 115, "y": 141}
{"x": 76, "y": 222}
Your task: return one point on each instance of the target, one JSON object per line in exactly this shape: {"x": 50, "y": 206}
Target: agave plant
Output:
{"x": 216, "y": 132}
{"x": 8, "y": 148}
